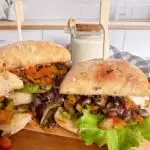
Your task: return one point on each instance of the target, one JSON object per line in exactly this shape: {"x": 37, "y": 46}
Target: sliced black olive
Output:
{"x": 120, "y": 111}
{"x": 102, "y": 102}
{"x": 95, "y": 112}
{"x": 143, "y": 113}
{"x": 69, "y": 108}
{"x": 86, "y": 101}
{"x": 116, "y": 100}
{"x": 110, "y": 105}
{"x": 104, "y": 111}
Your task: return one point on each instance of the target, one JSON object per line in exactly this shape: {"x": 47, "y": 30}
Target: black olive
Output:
{"x": 143, "y": 112}
{"x": 86, "y": 101}
{"x": 127, "y": 118}
{"x": 116, "y": 100}
{"x": 134, "y": 114}
{"x": 113, "y": 109}
{"x": 120, "y": 111}
{"x": 109, "y": 70}
{"x": 127, "y": 115}
{"x": 110, "y": 105}
{"x": 60, "y": 66}
{"x": 104, "y": 111}
{"x": 101, "y": 102}
{"x": 95, "y": 112}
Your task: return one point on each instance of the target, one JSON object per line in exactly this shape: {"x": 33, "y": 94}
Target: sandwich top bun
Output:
{"x": 30, "y": 53}
{"x": 109, "y": 77}
{"x": 9, "y": 82}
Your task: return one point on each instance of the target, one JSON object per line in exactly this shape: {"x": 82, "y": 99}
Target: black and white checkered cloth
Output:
{"x": 143, "y": 64}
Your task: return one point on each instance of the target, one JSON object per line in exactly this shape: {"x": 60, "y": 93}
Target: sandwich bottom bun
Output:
{"x": 64, "y": 122}
{"x": 70, "y": 126}
{"x": 18, "y": 122}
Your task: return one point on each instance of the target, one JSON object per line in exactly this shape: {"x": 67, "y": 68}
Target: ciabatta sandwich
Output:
{"x": 29, "y": 71}
{"x": 105, "y": 103}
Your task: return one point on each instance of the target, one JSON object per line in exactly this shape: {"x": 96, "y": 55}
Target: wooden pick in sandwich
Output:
{"x": 104, "y": 20}
{"x": 20, "y": 18}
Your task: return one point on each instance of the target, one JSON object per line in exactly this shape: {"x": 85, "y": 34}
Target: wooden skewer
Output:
{"x": 20, "y": 18}
{"x": 104, "y": 20}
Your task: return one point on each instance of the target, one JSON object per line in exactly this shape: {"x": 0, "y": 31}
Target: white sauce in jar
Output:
{"x": 85, "y": 48}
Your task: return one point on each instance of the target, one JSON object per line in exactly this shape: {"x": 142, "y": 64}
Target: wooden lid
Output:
{"x": 89, "y": 27}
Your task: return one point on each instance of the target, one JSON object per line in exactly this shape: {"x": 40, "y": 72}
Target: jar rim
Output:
{"x": 89, "y": 27}
{"x": 89, "y": 34}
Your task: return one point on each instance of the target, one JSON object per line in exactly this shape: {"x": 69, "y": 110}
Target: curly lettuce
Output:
{"x": 125, "y": 138}
{"x": 34, "y": 88}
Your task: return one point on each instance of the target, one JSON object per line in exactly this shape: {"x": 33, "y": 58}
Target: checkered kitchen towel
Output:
{"x": 143, "y": 64}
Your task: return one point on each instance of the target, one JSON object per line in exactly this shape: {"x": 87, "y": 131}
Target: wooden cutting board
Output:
{"x": 33, "y": 126}
{"x": 29, "y": 140}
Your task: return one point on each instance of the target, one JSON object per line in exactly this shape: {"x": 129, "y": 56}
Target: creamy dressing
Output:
{"x": 139, "y": 100}
{"x": 86, "y": 48}
{"x": 21, "y": 98}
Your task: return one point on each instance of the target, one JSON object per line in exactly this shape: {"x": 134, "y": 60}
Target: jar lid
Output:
{"x": 89, "y": 27}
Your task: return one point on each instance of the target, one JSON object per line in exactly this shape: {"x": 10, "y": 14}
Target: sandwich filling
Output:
{"x": 117, "y": 122}
{"x": 118, "y": 111}
{"x": 40, "y": 91}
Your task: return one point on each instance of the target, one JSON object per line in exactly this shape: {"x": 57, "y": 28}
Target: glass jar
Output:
{"x": 87, "y": 42}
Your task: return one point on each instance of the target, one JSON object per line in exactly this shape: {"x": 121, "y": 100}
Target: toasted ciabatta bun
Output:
{"x": 9, "y": 82}
{"x": 30, "y": 53}
{"x": 64, "y": 122}
{"x": 18, "y": 122}
{"x": 109, "y": 77}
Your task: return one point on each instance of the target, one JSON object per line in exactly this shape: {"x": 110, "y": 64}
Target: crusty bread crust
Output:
{"x": 64, "y": 122}
{"x": 109, "y": 77}
{"x": 30, "y": 53}
{"x": 9, "y": 82}
{"x": 18, "y": 122}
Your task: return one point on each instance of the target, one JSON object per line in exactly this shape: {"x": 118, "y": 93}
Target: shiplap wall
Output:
{"x": 132, "y": 9}
{"x": 136, "y": 42}
{"x": 85, "y": 9}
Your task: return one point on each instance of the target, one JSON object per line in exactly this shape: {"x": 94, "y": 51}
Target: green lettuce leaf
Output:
{"x": 144, "y": 128}
{"x": 34, "y": 88}
{"x": 30, "y": 88}
{"x": 128, "y": 138}
{"x": 116, "y": 139}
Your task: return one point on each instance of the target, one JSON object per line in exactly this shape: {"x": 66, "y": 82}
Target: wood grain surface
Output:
{"x": 45, "y": 24}
{"x": 29, "y": 140}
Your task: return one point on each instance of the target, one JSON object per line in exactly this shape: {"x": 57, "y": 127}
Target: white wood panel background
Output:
{"x": 58, "y": 36}
{"x": 11, "y": 35}
{"x": 61, "y": 9}
{"x": 138, "y": 42}
{"x": 83, "y": 9}
{"x": 135, "y": 42}
{"x": 116, "y": 38}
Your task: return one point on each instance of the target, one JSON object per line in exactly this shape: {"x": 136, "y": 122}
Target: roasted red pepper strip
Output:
{"x": 45, "y": 71}
{"x": 5, "y": 143}
{"x": 31, "y": 71}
